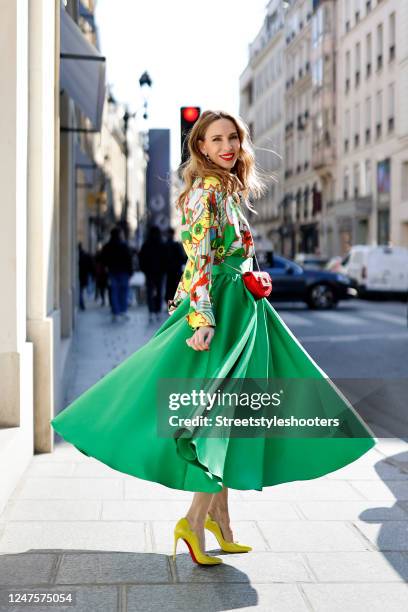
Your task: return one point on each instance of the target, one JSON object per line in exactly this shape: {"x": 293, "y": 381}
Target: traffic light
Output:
{"x": 188, "y": 117}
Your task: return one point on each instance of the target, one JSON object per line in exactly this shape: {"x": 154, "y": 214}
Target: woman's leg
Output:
{"x": 197, "y": 513}
{"x": 218, "y": 510}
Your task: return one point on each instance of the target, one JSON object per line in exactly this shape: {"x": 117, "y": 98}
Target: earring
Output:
{"x": 207, "y": 158}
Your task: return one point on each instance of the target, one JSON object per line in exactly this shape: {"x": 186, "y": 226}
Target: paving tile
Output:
{"x": 367, "y": 470}
{"x": 76, "y": 535}
{"x": 216, "y": 598}
{"x": 143, "y": 510}
{"x": 95, "y": 598}
{"x": 311, "y": 536}
{"x": 352, "y": 567}
{"x": 266, "y": 510}
{"x": 49, "y": 469}
{"x": 96, "y": 469}
{"x": 382, "y": 490}
{"x": 253, "y": 567}
{"x": 28, "y": 568}
{"x": 317, "y": 489}
{"x": 391, "y": 535}
{"x": 351, "y": 510}
{"x": 357, "y": 597}
{"x": 52, "y": 510}
{"x": 136, "y": 488}
{"x": 111, "y": 568}
{"x": 72, "y": 488}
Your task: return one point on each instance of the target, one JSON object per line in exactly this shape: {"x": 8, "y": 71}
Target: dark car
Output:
{"x": 318, "y": 288}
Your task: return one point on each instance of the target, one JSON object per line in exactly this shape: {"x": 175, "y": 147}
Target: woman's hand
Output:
{"x": 201, "y": 339}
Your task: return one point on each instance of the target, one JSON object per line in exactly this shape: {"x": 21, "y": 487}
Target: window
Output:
{"x": 392, "y": 36}
{"x": 379, "y": 113}
{"x": 346, "y": 183}
{"x": 357, "y": 10}
{"x": 379, "y": 46}
{"x": 358, "y": 63}
{"x": 368, "y": 120}
{"x": 369, "y": 52}
{"x": 347, "y": 16}
{"x": 357, "y": 125}
{"x": 348, "y": 70}
{"x": 346, "y": 130}
{"x": 391, "y": 107}
{"x": 356, "y": 178}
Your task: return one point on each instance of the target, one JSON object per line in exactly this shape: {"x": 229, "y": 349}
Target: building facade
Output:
{"x": 371, "y": 192}
{"x": 262, "y": 107}
{"x": 324, "y": 111}
{"x": 301, "y": 205}
{"x": 343, "y": 128}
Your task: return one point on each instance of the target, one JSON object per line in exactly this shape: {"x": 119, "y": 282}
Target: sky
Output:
{"x": 194, "y": 53}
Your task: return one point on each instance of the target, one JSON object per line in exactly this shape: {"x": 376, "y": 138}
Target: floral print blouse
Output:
{"x": 212, "y": 227}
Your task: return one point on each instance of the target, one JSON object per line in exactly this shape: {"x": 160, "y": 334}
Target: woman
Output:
{"x": 235, "y": 337}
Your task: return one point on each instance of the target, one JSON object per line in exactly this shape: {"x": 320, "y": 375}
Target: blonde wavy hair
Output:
{"x": 243, "y": 177}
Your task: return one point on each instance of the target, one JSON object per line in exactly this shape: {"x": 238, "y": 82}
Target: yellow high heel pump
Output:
{"x": 232, "y": 547}
{"x": 184, "y": 531}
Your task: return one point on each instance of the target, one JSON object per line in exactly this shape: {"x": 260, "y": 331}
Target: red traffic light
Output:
{"x": 190, "y": 113}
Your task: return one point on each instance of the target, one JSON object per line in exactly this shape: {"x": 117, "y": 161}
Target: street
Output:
{"x": 363, "y": 347}
{"x": 360, "y": 338}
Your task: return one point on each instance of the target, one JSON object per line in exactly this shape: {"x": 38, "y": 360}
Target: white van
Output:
{"x": 378, "y": 268}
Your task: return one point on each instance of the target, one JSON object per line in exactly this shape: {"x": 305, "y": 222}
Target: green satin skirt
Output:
{"x": 115, "y": 420}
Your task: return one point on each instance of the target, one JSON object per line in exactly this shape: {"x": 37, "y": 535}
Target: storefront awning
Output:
{"x": 82, "y": 72}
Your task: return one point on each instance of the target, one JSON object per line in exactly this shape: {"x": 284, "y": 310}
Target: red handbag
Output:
{"x": 258, "y": 283}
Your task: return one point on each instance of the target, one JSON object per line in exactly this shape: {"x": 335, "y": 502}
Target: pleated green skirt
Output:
{"x": 116, "y": 420}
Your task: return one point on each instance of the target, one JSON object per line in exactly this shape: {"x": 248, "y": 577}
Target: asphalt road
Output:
{"x": 363, "y": 347}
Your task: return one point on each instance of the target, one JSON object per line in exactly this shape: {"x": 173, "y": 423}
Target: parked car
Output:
{"x": 378, "y": 269}
{"x": 311, "y": 262}
{"x": 318, "y": 288}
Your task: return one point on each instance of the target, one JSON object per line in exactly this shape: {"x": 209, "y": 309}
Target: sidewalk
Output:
{"x": 75, "y": 525}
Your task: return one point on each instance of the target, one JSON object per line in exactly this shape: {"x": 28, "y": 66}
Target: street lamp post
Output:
{"x": 144, "y": 81}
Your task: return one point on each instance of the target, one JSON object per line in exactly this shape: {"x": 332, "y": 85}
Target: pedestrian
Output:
{"x": 116, "y": 256}
{"x": 85, "y": 271}
{"x": 220, "y": 329}
{"x": 101, "y": 276}
{"x": 175, "y": 259}
{"x": 153, "y": 264}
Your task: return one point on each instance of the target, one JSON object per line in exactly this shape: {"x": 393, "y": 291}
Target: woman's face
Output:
{"x": 221, "y": 143}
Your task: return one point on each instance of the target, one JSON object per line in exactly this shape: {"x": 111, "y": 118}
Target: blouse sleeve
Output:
{"x": 196, "y": 281}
